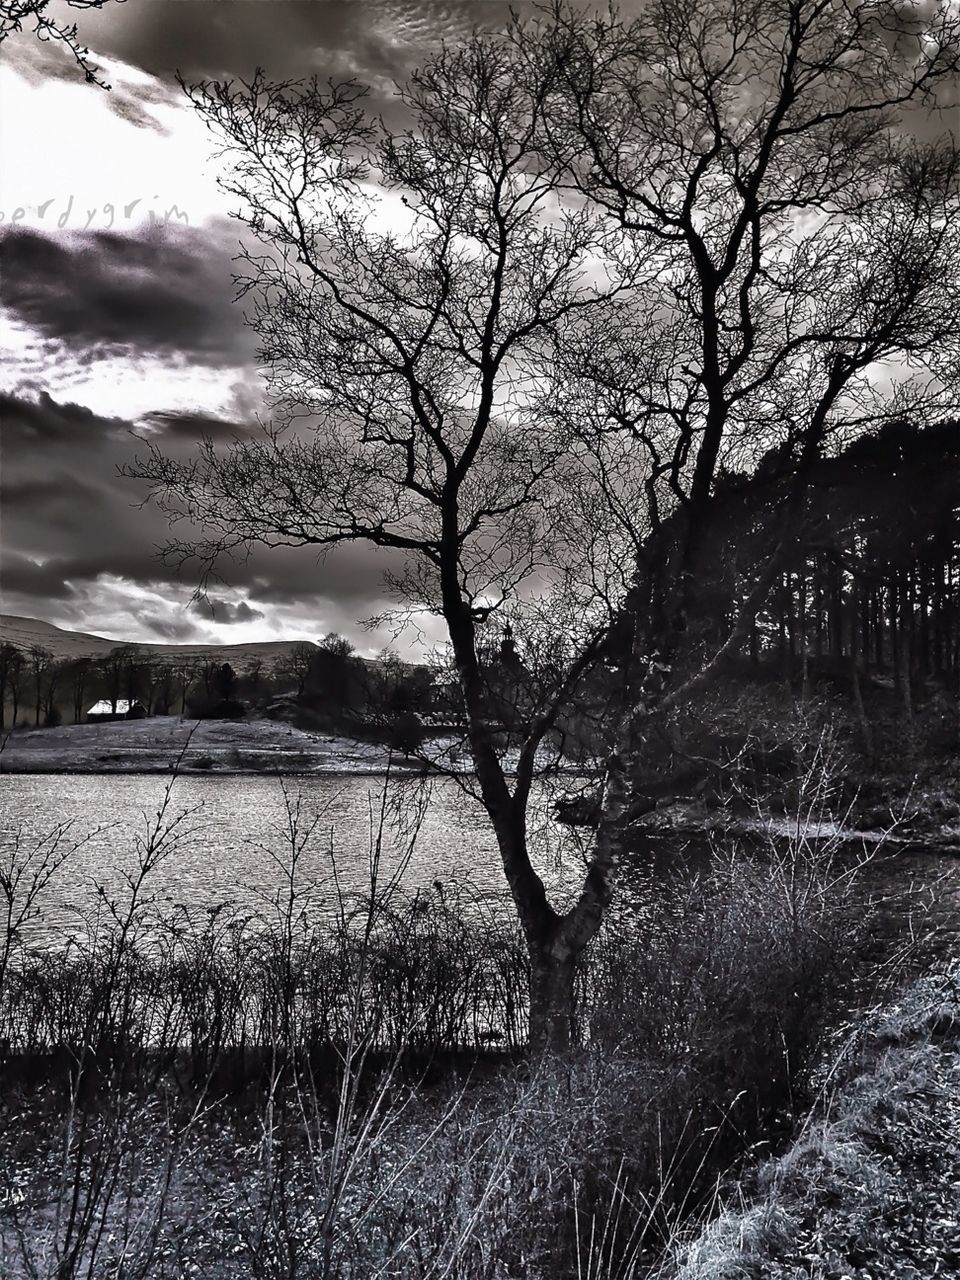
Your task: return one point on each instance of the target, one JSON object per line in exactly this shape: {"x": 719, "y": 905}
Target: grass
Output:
{"x": 869, "y": 1186}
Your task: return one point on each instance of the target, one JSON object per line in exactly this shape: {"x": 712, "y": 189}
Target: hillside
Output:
{"x": 65, "y": 645}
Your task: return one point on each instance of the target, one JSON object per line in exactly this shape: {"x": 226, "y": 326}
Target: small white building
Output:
{"x": 125, "y": 709}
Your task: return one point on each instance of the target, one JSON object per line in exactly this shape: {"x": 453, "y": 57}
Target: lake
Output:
{"x": 234, "y": 842}
{"x": 235, "y": 838}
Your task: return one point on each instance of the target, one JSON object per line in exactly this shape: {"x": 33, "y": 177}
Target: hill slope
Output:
{"x": 64, "y": 644}
{"x": 869, "y": 1186}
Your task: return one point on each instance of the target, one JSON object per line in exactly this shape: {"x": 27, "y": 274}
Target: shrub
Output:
{"x": 295, "y": 1089}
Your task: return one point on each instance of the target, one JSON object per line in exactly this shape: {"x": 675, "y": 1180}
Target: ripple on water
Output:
{"x": 235, "y": 836}
{"x": 235, "y": 823}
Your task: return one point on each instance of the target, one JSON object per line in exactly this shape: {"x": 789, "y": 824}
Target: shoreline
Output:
{"x": 229, "y": 771}
{"x": 166, "y": 745}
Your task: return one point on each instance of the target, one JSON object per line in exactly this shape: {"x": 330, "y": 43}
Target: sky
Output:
{"x": 118, "y": 317}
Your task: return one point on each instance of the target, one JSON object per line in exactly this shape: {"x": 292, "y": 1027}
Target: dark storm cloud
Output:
{"x": 337, "y": 38}
{"x": 45, "y": 420}
{"x": 166, "y": 292}
{"x": 215, "y": 609}
{"x": 24, "y": 577}
{"x": 70, "y": 523}
{"x": 174, "y": 630}
{"x": 352, "y": 574}
{"x": 194, "y": 426}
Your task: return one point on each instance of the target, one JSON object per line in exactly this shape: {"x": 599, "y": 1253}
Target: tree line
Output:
{"x": 876, "y": 582}
{"x": 868, "y": 597}
{"x": 327, "y": 678}
{"x": 871, "y": 582}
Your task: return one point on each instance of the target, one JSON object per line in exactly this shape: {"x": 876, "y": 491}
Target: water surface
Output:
{"x": 234, "y": 844}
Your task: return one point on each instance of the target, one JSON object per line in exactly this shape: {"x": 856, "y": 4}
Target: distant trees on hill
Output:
{"x": 875, "y": 581}
{"x": 871, "y": 581}
{"x": 326, "y": 681}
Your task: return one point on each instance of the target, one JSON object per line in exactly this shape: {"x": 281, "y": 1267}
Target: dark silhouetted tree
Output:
{"x": 12, "y": 667}
{"x": 80, "y": 673}
{"x": 296, "y": 664}
{"x": 41, "y": 662}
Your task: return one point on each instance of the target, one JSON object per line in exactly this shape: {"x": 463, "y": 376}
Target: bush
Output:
{"x": 406, "y": 732}
{"x": 736, "y": 974}
{"x": 216, "y": 708}
{"x": 868, "y": 1186}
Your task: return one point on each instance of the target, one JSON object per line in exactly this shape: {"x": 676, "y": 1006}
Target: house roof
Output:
{"x": 106, "y": 708}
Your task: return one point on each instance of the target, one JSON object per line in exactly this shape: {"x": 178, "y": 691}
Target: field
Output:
{"x": 157, "y": 743}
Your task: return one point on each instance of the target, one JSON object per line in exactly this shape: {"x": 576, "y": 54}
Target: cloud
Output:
{"x": 80, "y": 550}
{"x": 337, "y": 38}
{"x": 216, "y": 609}
{"x": 179, "y": 424}
{"x": 25, "y": 577}
{"x": 44, "y": 420}
{"x": 131, "y": 96}
{"x": 175, "y": 630}
{"x": 165, "y": 293}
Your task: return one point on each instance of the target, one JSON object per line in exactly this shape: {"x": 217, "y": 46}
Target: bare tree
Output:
{"x": 252, "y": 676}
{"x": 51, "y": 686}
{"x": 114, "y": 667}
{"x": 795, "y": 222}
{"x": 15, "y": 15}
{"x": 11, "y": 681}
{"x": 156, "y": 686}
{"x": 337, "y": 646}
{"x": 41, "y": 662}
{"x": 603, "y": 281}
{"x": 81, "y": 672}
{"x": 338, "y": 677}
{"x": 184, "y": 673}
{"x": 296, "y": 663}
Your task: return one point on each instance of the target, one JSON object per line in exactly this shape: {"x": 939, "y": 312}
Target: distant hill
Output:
{"x": 64, "y": 644}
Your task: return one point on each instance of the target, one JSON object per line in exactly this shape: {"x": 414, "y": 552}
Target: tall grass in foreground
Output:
{"x": 286, "y": 1093}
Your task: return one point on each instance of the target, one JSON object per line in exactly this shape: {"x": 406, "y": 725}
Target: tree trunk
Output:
{"x": 856, "y": 615}
{"x": 906, "y": 647}
{"x": 893, "y": 616}
{"x": 804, "y": 647}
{"x": 818, "y": 605}
{"x": 552, "y": 952}
{"x": 552, "y": 1005}
{"x": 836, "y": 609}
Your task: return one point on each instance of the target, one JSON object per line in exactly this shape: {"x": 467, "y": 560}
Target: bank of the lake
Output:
{"x": 160, "y": 744}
